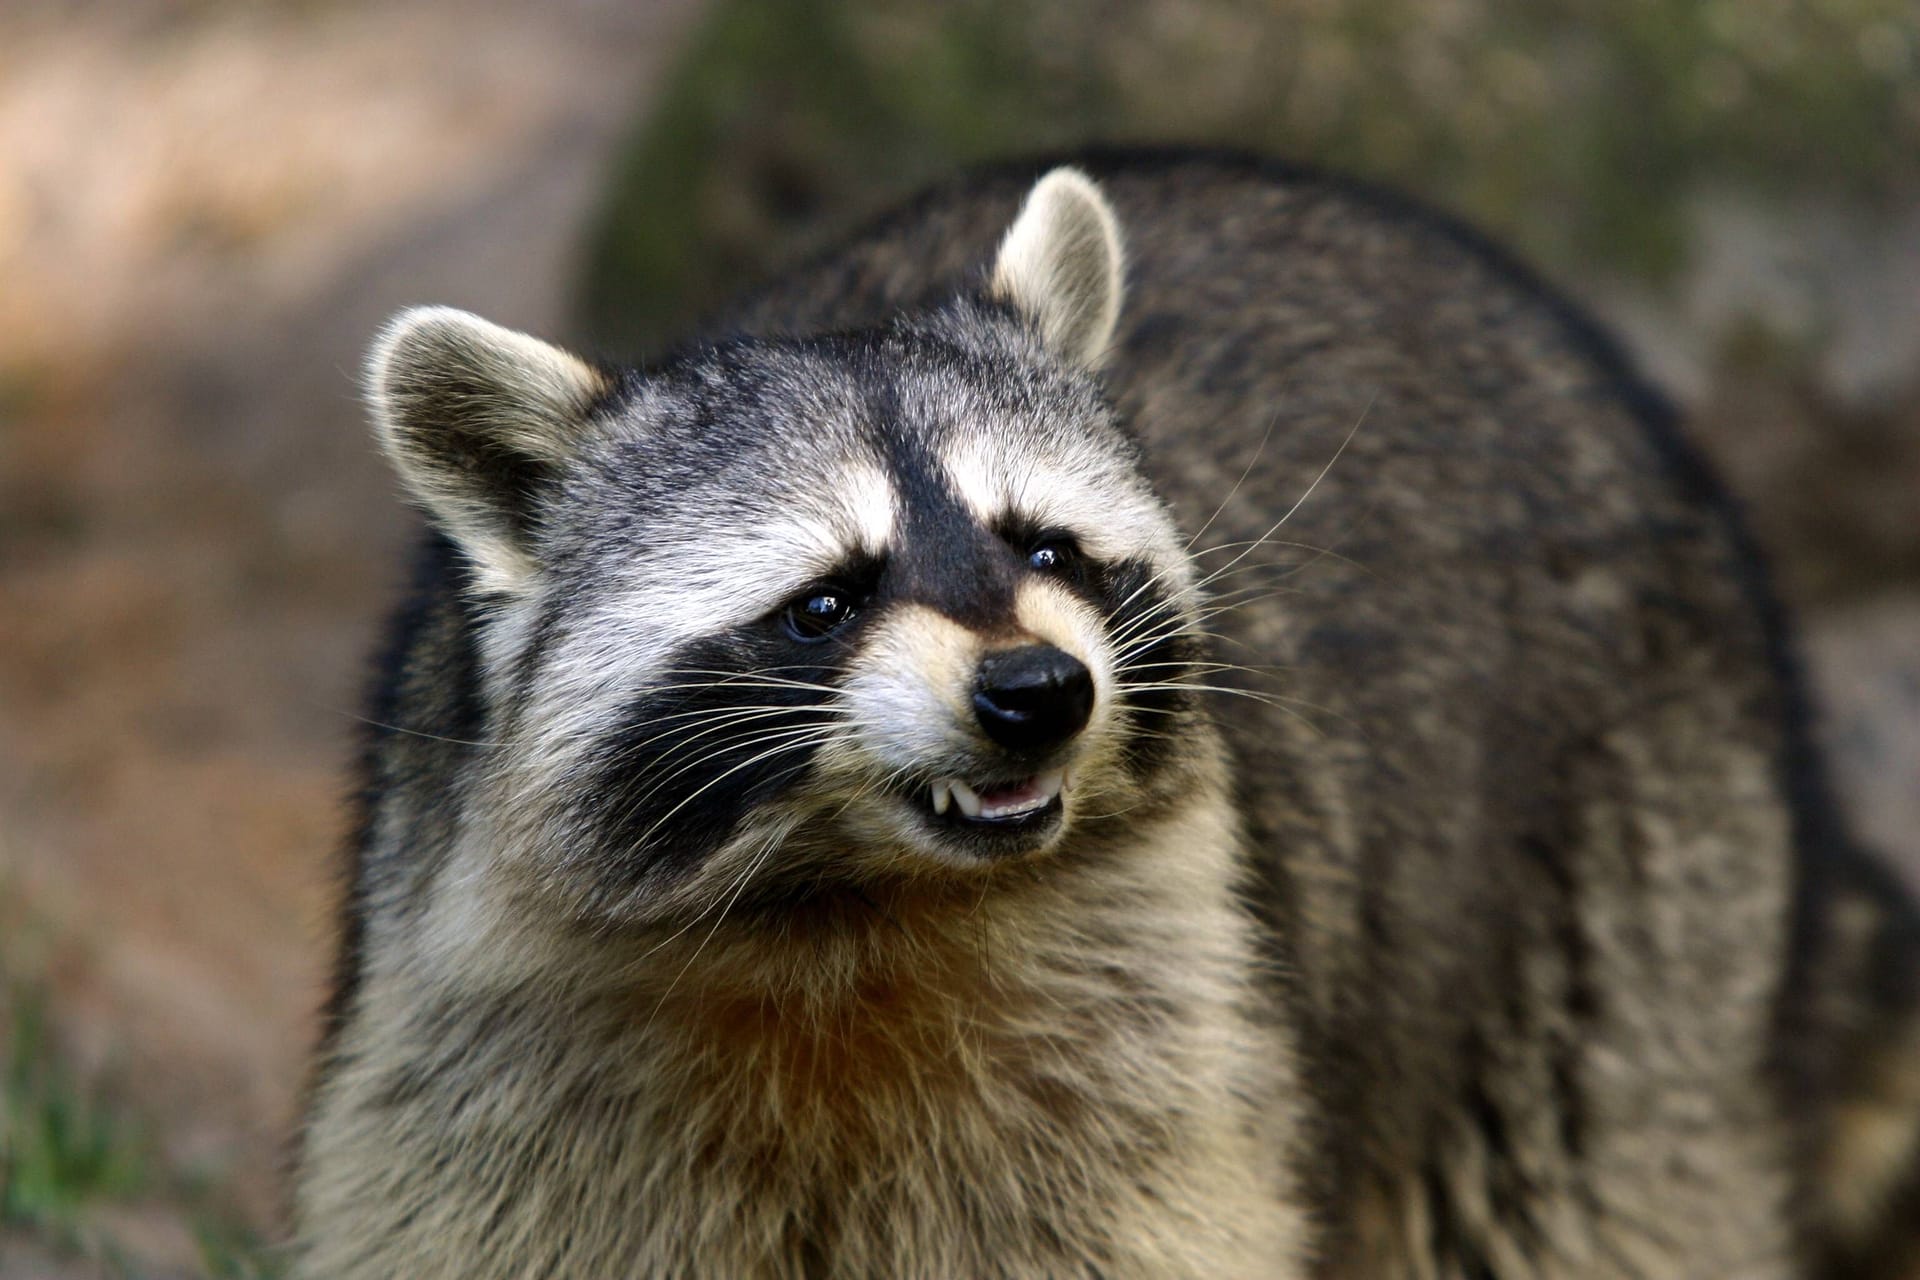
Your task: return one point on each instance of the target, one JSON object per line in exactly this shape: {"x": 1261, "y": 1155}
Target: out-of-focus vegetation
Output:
{"x": 1577, "y": 130}
{"x": 61, "y": 1151}
{"x": 79, "y": 1174}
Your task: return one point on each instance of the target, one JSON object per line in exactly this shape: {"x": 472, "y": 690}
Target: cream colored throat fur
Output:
{"x": 1053, "y": 1077}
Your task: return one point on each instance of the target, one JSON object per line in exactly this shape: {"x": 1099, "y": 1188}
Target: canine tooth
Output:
{"x": 1066, "y": 778}
{"x": 964, "y": 794}
{"x": 942, "y": 796}
{"x": 1050, "y": 783}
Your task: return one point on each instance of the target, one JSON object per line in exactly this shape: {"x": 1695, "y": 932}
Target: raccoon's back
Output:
{"x": 1509, "y": 689}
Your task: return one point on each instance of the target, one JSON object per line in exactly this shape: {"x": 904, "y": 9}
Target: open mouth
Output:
{"x": 1020, "y": 805}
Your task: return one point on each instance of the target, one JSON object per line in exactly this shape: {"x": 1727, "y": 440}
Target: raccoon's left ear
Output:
{"x": 1060, "y": 265}
{"x": 478, "y": 421}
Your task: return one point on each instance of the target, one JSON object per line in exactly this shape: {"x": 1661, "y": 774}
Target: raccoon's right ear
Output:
{"x": 477, "y": 420}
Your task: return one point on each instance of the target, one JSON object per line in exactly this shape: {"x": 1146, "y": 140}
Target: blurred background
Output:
{"x": 207, "y": 206}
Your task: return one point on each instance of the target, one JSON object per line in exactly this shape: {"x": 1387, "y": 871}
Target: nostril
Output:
{"x": 1034, "y": 697}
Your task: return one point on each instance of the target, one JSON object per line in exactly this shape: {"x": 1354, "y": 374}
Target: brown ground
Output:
{"x": 204, "y": 212}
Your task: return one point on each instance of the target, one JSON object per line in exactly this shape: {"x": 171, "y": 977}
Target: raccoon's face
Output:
{"x": 786, "y": 615}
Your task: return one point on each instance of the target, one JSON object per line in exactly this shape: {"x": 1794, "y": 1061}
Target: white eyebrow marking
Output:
{"x": 871, "y": 510}
{"x": 810, "y": 534}
{"x": 1108, "y": 509}
{"x": 971, "y": 472}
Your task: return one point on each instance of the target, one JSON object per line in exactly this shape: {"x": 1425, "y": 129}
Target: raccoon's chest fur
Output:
{"x": 989, "y": 1107}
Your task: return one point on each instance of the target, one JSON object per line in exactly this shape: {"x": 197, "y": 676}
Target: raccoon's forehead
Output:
{"x": 816, "y": 453}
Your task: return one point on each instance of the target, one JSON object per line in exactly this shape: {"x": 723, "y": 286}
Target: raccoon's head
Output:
{"x": 788, "y": 616}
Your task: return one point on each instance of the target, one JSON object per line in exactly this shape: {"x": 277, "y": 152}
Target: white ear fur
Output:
{"x": 474, "y": 417}
{"x": 1061, "y": 263}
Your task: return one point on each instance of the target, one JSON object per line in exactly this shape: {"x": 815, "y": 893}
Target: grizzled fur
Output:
{"x": 1499, "y": 929}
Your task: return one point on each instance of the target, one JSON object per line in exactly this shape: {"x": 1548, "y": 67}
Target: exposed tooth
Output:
{"x": 1040, "y": 790}
{"x": 1066, "y": 778}
{"x": 1016, "y": 810}
{"x": 1035, "y": 794}
{"x": 964, "y": 794}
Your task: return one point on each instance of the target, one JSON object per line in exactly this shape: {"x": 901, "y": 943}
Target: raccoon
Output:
{"x": 1254, "y": 754}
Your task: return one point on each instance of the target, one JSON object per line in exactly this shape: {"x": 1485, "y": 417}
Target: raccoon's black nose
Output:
{"x": 1032, "y": 698}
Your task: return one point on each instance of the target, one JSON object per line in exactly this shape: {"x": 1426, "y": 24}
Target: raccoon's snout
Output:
{"x": 1032, "y": 698}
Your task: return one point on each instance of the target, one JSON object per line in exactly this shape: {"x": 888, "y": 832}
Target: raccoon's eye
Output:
{"x": 818, "y": 614}
{"x": 1055, "y": 556}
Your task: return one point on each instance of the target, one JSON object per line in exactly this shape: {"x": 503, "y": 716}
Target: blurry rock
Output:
{"x": 1832, "y": 485}
{"x": 1865, "y": 665}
